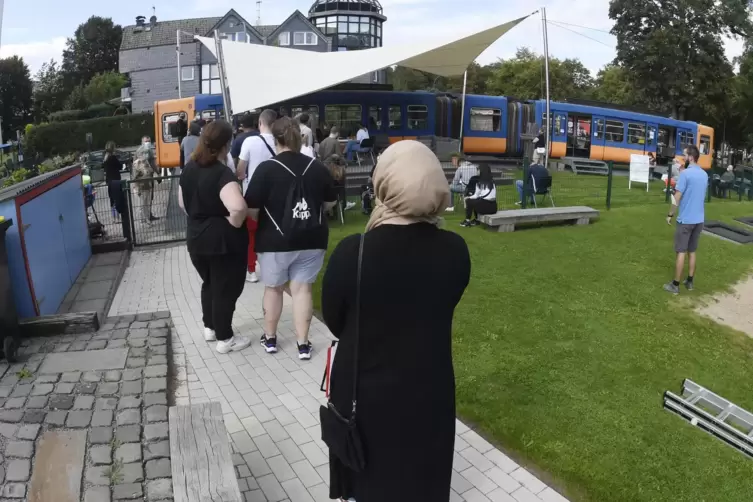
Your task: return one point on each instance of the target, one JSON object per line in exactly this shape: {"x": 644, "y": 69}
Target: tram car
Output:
{"x": 492, "y": 125}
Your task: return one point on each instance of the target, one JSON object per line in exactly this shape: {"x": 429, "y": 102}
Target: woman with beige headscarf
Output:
{"x": 412, "y": 277}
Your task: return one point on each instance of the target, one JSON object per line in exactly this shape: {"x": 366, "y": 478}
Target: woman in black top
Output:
{"x": 216, "y": 238}
{"x": 412, "y": 278}
{"x": 111, "y": 166}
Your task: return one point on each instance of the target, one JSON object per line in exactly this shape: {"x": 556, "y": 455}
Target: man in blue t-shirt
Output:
{"x": 690, "y": 196}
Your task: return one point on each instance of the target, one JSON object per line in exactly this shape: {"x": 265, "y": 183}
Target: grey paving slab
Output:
{"x": 108, "y": 359}
{"x": 51, "y": 483}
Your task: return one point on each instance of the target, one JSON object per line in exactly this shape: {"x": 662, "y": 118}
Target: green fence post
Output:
{"x": 526, "y": 183}
{"x": 610, "y": 166}
{"x": 708, "y": 189}
{"x": 750, "y": 187}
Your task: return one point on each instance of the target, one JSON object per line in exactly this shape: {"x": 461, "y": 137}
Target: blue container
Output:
{"x": 49, "y": 244}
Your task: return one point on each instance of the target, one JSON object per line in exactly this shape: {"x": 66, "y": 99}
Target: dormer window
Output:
{"x": 305, "y": 38}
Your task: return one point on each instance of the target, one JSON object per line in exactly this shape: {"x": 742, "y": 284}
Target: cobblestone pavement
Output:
{"x": 85, "y": 416}
{"x": 271, "y": 403}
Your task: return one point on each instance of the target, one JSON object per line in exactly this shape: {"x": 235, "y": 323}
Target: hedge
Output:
{"x": 59, "y": 138}
{"x": 93, "y": 111}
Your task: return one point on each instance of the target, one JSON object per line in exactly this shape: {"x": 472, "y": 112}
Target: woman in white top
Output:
{"x": 484, "y": 198}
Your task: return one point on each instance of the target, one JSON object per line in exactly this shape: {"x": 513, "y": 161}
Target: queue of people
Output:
{"x": 284, "y": 192}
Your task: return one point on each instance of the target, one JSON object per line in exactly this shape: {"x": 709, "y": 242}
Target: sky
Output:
{"x": 37, "y": 29}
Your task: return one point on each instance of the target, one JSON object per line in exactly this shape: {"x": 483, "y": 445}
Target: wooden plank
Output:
{"x": 202, "y": 463}
{"x": 59, "y": 324}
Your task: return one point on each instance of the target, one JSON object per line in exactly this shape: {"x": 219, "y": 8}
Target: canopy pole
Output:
{"x": 221, "y": 70}
{"x": 546, "y": 67}
{"x": 462, "y": 110}
{"x": 177, "y": 51}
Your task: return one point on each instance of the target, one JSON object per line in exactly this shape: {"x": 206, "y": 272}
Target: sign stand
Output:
{"x": 640, "y": 170}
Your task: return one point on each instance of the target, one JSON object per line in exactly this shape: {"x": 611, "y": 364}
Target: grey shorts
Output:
{"x": 297, "y": 266}
{"x": 687, "y": 237}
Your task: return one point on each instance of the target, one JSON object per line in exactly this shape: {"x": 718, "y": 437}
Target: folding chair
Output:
{"x": 367, "y": 148}
{"x": 544, "y": 188}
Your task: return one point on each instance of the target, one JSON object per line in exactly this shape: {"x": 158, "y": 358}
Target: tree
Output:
{"x": 673, "y": 50}
{"x": 49, "y": 93}
{"x": 104, "y": 87}
{"x": 15, "y": 95}
{"x": 612, "y": 85}
{"x": 76, "y": 99}
{"x": 93, "y": 49}
{"x": 523, "y": 77}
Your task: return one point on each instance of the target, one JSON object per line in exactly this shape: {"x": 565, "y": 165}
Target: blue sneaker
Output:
{"x": 269, "y": 344}
{"x": 304, "y": 351}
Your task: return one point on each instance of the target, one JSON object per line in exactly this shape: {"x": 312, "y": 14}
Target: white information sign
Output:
{"x": 640, "y": 170}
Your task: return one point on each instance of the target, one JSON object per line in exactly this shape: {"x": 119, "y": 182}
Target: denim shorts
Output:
{"x": 290, "y": 266}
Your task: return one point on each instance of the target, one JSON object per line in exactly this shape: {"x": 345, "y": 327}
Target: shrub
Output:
{"x": 63, "y": 138}
{"x": 93, "y": 111}
{"x": 17, "y": 176}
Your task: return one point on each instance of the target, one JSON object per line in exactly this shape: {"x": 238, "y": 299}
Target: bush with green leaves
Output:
{"x": 17, "y": 176}
{"x": 60, "y": 138}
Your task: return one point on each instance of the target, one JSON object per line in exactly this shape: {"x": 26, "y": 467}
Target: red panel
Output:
{"x": 26, "y": 258}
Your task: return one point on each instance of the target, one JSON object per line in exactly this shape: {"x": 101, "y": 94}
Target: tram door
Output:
{"x": 579, "y": 136}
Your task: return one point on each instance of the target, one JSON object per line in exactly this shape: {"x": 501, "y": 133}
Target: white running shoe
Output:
{"x": 252, "y": 277}
{"x": 234, "y": 344}
{"x": 349, "y": 206}
{"x": 450, "y": 209}
{"x": 210, "y": 335}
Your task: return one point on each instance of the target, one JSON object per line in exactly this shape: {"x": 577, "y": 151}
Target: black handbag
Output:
{"x": 339, "y": 433}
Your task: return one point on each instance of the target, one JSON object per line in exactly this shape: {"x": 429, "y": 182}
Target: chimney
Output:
{"x": 140, "y": 20}
{"x": 153, "y": 20}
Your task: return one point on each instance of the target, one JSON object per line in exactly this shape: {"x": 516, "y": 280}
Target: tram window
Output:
{"x": 375, "y": 118}
{"x": 615, "y": 131}
{"x": 396, "y": 118}
{"x": 311, "y": 110}
{"x": 168, "y": 119}
{"x": 346, "y": 117}
{"x": 418, "y": 117}
{"x": 486, "y": 119}
{"x": 636, "y": 134}
{"x": 705, "y": 145}
{"x": 651, "y": 136}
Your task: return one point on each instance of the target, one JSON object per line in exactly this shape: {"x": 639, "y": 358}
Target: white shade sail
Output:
{"x": 262, "y": 75}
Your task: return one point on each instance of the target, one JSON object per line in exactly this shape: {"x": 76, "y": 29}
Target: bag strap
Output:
{"x": 358, "y": 330}
{"x": 286, "y": 167}
{"x": 267, "y": 145}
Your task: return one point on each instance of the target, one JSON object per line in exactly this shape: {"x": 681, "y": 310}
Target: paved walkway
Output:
{"x": 271, "y": 402}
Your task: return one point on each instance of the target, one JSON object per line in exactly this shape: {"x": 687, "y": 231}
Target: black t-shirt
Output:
{"x": 268, "y": 192}
{"x": 209, "y": 232}
{"x": 112, "y": 168}
{"x": 235, "y": 149}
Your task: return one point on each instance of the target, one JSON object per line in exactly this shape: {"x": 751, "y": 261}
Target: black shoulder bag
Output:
{"x": 339, "y": 433}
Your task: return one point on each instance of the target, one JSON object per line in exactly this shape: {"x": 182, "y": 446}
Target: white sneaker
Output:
{"x": 252, "y": 277}
{"x": 210, "y": 335}
{"x": 236, "y": 343}
{"x": 349, "y": 206}
{"x": 450, "y": 209}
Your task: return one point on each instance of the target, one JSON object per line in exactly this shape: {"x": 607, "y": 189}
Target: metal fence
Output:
{"x": 153, "y": 211}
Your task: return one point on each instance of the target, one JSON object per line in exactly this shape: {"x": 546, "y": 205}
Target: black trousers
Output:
{"x": 116, "y": 195}
{"x": 479, "y": 206}
{"x": 223, "y": 278}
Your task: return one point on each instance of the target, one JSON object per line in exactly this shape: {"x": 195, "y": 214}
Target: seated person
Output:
{"x": 354, "y": 145}
{"x": 726, "y": 181}
{"x": 463, "y": 174}
{"x": 484, "y": 197}
{"x": 538, "y": 172}
{"x": 367, "y": 194}
{"x": 336, "y": 166}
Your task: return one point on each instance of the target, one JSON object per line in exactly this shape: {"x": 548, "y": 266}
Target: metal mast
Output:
{"x": 546, "y": 68}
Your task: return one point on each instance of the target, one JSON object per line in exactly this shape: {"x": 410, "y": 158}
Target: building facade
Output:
{"x": 148, "y": 50}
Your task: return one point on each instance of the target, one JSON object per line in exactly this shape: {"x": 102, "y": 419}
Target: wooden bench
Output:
{"x": 202, "y": 462}
{"x": 505, "y": 221}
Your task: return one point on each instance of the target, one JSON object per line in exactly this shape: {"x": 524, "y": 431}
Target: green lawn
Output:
{"x": 565, "y": 342}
